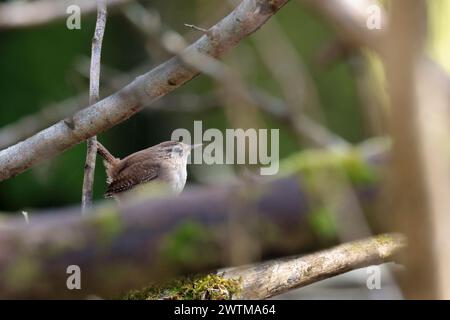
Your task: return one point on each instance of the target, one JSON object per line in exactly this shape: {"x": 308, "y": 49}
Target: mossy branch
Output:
{"x": 271, "y": 278}
{"x": 262, "y": 281}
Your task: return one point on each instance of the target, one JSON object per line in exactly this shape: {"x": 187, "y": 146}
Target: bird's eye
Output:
{"x": 178, "y": 150}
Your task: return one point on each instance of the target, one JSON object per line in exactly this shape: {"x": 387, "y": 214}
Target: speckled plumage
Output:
{"x": 165, "y": 162}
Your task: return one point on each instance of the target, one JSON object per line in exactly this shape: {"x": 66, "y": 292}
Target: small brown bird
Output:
{"x": 165, "y": 162}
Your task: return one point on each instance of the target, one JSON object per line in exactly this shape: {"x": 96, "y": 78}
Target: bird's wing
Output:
{"x": 132, "y": 175}
{"x": 139, "y": 157}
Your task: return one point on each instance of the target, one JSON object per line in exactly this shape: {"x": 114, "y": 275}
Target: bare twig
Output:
{"x": 195, "y": 27}
{"x": 94, "y": 96}
{"x": 244, "y": 20}
{"x": 271, "y": 278}
{"x": 21, "y": 14}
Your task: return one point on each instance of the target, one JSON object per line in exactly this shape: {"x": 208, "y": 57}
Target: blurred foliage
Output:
{"x": 188, "y": 244}
{"x": 439, "y": 41}
{"x": 323, "y": 173}
{"x": 328, "y": 163}
{"x": 322, "y": 221}
{"x": 39, "y": 66}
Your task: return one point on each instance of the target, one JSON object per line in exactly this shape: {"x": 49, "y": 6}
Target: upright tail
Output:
{"x": 104, "y": 153}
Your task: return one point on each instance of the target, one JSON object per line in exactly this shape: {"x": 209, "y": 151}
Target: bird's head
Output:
{"x": 175, "y": 150}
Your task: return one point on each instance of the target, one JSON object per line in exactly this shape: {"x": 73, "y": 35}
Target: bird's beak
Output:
{"x": 193, "y": 146}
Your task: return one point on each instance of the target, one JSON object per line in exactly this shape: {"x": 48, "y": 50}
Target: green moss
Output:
{"x": 189, "y": 244}
{"x": 208, "y": 287}
{"x": 358, "y": 171}
{"x": 323, "y": 223}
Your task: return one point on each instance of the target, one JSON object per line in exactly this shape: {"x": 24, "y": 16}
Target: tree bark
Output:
{"x": 271, "y": 278}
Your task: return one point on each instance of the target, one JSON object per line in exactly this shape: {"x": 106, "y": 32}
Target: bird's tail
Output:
{"x": 104, "y": 153}
{"x": 109, "y": 160}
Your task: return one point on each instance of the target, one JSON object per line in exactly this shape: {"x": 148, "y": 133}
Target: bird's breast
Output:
{"x": 179, "y": 180}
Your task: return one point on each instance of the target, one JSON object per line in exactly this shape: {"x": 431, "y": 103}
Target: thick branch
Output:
{"x": 244, "y": 20}
{"x": 94, "y": 96}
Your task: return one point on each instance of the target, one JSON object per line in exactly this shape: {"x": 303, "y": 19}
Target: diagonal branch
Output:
{"x": 271, "y": 278}
{"x": 94, "y": 96}
{"x": 226, "y": 34}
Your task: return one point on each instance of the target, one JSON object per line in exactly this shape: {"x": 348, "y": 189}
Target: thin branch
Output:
{"x": 20, "y": 14}
{"x": 271, "y": 278}
{"x": 94, "y": 96}
{"x": 226, "y": 34}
